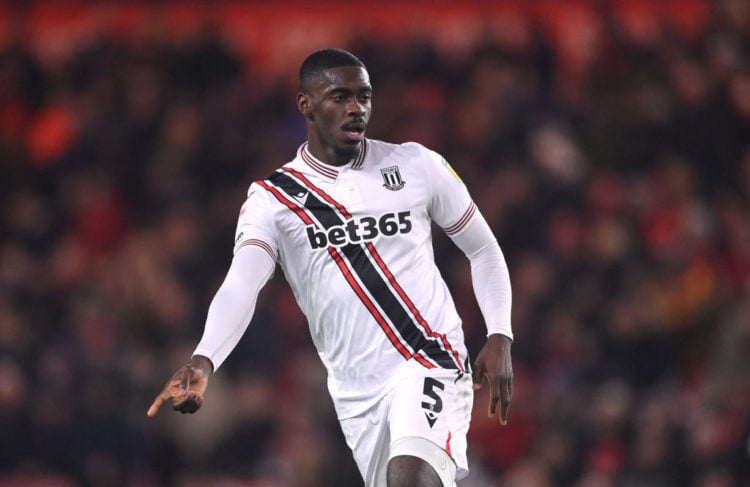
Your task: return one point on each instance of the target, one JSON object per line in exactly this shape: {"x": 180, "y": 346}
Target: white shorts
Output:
{"x": 435, "y": 406}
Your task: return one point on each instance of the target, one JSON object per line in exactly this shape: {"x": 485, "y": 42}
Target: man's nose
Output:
{"x": 357, "y": 108}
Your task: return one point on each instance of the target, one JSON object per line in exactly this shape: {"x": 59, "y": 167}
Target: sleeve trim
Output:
{"x": 258, "y": 243}
{"x": 462, "y": 222}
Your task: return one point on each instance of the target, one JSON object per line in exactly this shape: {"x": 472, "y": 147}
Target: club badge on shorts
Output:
{"x": 392, "y": 178}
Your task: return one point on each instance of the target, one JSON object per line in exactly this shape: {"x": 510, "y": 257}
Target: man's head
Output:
{"x": 334, "y": 96}
{"x": 318, "y": 62}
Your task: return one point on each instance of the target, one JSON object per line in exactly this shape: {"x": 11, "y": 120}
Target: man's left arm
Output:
{"x": 491, "y": 282}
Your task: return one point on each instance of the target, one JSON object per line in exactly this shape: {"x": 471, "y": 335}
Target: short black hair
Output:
{"x": 319, "y": 61}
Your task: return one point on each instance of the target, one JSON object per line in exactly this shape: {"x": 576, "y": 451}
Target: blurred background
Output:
{"x": 607, "y": 143}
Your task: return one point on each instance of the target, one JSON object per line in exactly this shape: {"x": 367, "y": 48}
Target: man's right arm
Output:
{"x": 228, "y": 317}
{"x": 234, "y": 303}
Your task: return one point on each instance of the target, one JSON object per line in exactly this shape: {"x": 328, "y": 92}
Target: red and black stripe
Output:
{"x": 351, "y": 279}
{"x": 364, "y": 261}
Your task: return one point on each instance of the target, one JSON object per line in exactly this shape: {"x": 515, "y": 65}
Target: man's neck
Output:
{"x": 334, "y": 156}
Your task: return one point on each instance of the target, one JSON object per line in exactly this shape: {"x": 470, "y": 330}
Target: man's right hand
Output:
{"x": 185, "y": 388}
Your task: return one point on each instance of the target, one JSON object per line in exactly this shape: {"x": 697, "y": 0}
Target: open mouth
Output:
{"x": 355, "y": 130}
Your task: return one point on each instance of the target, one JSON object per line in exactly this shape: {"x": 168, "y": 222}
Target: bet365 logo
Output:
{"x": 363, "y": 229}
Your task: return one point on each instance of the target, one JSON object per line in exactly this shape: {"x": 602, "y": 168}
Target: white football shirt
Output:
{"x": 355, "y": 245}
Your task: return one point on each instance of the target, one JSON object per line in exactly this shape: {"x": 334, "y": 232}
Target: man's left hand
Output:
{"x": 494, "y": 364}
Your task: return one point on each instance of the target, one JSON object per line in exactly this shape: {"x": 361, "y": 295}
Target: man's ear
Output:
{"x": 304, "y": 105}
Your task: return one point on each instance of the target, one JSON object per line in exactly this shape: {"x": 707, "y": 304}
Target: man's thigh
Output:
{"x": 424, "y": 416}
{"x": 429, "y": 418}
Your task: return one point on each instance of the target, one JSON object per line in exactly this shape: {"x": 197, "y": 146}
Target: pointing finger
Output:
{"x": 156, "y": 405}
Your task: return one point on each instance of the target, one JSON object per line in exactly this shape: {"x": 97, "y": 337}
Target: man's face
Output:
{"x": 337, "y": 108}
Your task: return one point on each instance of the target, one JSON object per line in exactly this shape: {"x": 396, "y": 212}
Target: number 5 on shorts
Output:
{"x": 431, "y": 409}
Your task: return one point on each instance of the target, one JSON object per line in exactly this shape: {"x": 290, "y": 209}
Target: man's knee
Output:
{"x": 409, "y": 471}
{"x": 416, "y": 461}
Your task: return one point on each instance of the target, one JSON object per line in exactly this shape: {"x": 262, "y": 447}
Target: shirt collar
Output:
{"x": 326, "y": 170}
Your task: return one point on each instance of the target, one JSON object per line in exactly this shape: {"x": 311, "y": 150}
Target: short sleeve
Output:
{"x": 450, "y": 205}
{"x": 255, "y": 225}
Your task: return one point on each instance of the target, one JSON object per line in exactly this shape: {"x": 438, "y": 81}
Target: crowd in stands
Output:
{"x": 620, "y": 195}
